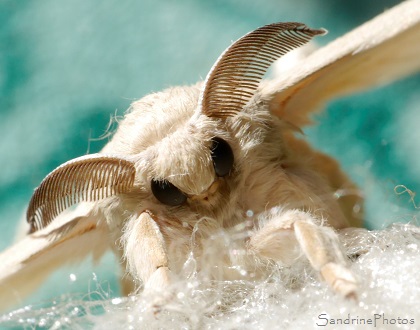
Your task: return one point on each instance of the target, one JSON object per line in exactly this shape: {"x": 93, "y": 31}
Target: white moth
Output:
{"x": 223, "y": 154}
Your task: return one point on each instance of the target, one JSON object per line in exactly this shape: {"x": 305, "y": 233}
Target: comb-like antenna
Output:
{"x": 235, "y": 76}
{"x": 87, "y": 178}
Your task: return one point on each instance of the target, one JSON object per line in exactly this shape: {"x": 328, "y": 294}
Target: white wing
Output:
{"x": 380, "y": 51}
{"x": 70, "y": 238}
{"x": 59, "y": 237}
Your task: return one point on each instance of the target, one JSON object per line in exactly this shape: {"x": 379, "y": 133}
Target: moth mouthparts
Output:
{"x": 209, "y": 193}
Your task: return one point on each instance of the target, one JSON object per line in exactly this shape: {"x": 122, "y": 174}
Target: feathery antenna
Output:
{"x": 87, "y": 178}
{"x": 235, "y": 76}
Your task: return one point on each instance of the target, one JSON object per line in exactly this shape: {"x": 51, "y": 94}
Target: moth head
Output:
{"x": 180, "y": 149}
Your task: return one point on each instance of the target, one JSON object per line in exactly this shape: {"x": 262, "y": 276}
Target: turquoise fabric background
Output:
{"x": 67, "y": 67}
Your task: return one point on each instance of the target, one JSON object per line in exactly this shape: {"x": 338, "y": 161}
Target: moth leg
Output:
{"x": 145, "y": 253}
{"x": 127, "y": 282}
{"x": 322, "y": 248}
{"x": 286, "y": 236}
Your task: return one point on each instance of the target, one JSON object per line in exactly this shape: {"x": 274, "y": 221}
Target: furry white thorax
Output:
{"x": 172, "y": 141}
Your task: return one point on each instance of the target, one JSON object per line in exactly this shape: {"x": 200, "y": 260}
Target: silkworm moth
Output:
{"x": 222, "y": 153}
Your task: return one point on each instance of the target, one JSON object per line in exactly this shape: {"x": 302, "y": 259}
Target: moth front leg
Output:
{"x": 145, "y": 253}
{"x": 287, "y": 235}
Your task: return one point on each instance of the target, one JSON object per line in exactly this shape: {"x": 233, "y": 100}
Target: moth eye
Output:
{"x": 222, "y": 156}
{"x": 167, "y": 193}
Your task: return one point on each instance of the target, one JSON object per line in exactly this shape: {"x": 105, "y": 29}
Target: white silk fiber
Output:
{"x": 386, "y": 262}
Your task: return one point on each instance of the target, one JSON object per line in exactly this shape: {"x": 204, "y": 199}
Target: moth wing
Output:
{"x": 58, "y": 234}
{"x": 380, "y": 51}
{"x": 70, "y": 238}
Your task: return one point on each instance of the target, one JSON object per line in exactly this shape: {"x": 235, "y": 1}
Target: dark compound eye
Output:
{"x": 222, "y": 156}
{"x": 167, "y": 193}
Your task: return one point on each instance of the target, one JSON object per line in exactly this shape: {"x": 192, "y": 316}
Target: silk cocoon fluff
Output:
{"x": 385, "y": 261}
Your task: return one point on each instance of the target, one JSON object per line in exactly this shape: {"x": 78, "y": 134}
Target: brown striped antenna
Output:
{"x": 87, "y": 178}
{"x": 235, "y": 76}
